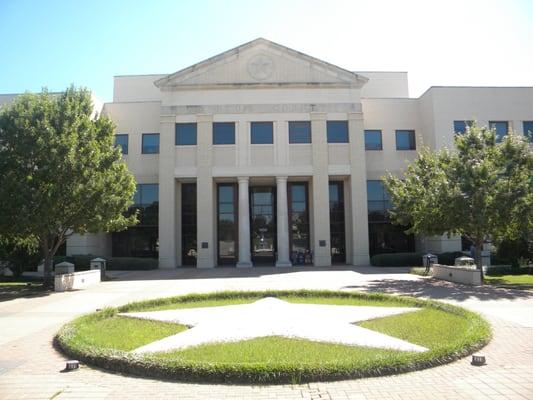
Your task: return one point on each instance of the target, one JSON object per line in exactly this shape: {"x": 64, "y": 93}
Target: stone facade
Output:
{"x": 261, "y": 81}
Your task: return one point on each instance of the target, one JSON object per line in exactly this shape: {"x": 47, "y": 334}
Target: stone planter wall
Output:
{"x": 464, "y": 275}
{"x": 76, "y": 280}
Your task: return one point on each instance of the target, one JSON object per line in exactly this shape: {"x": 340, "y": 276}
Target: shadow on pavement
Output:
{"x": 16, "y": 290}
{"x": 441, "y": 290}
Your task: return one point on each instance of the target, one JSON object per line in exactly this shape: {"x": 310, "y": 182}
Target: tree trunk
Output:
{"x": 479, "y": 259}
{"x": 48, "y": 273}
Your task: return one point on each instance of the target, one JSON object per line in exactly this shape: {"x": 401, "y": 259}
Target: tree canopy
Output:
{"x": 59, "y": 170}
{"x": 482, "y": 189}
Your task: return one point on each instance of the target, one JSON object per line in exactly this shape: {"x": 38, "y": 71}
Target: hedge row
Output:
{"x": 146, "y": 366}
{"x": 82, "y": 262}
{"x": 411, "y": 259}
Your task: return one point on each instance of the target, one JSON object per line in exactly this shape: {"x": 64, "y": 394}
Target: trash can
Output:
{"x": 429, "y": 259}
{"x": 99, "y": 263}
{"x": 464, "y": 261}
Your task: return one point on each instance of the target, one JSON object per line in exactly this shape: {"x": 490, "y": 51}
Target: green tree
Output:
{"x": 482, "y": 189}
{"x": 19, "y": 253}
{"x": 59, "y": 171}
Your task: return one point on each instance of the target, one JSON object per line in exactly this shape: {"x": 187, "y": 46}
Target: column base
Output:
{"x": 244, "y": 265}
{"x": 322, "y": 261}
{"x": 362, "y": 260}
{"x": 167, "y": 263}
{"x": 283, "y": 264}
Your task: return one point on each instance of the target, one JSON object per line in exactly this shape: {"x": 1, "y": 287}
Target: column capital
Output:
{"x": 243, "y": 179}
{"x": 281, "y": 178}
{"x": 167, "y": 119}
{"x": 318, "y": 116}
{"x": 355, "y": 116}
{"x": 204, "y": 117}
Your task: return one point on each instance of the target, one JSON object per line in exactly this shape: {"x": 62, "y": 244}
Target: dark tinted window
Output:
{"x": 261, "y": 133}
{"x": 460, "y": 126}
{"x": 122, "y": 141}
{"x": 146, "y": 201}
{"x": 373, "y": 140}
{"x": 337, "y": 131}
{"x": 299, "y": 132}
{"x": 186, "y": 134}
{"x": 150, "y": 143}
{"x": 224, "y": 133}
{"x": 405, "y": 140}
{"x": 501, "y": 128}
{"x": 189, "y": 246}
{"x": 378, "y": 201}
{"x": 528, "y": 130}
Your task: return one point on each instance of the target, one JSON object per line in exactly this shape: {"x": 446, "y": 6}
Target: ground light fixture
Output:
{"x": 71, "y": 365}
{"x": 478, "y": 359}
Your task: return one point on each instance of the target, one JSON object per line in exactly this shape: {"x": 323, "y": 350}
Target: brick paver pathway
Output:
{"x": 29, "y": 366}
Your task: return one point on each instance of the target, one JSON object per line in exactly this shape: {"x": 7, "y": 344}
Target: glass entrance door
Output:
{"x": 336, "y": 222}
{"x": 263, "y": 224}
{"x": 299, "y": 224}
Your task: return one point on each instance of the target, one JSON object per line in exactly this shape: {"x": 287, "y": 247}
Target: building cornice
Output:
{"x": 262, "y": 108}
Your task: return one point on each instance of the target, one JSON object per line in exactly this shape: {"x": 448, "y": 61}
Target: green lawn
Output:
{"x": 121, "y": 333}
{"x": 524, "y": 281}
{"x": 445, "y": 330}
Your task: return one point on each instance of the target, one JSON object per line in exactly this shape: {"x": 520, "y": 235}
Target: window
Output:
{"x": 186, "y": 134}
{"x": 150, "y": 144}
{"x": 146, "y": 200}
{"x": 378, "y": 201}
{"x": 299, "y": 223}
{"x": 373, "y": 140}
{"x": 528, "y": 130}
{"x": 299, "y": 132}
{"x": 459, "y": 127}
{"x": 501, "y": 128}
{"x": 261, "y": 133}
{"x": 141, "y": 240}
{"x": 405, "y": 140}
{"x": 223, "y": 132}
{"x": 122, "y": 141}
{"x": 227, "y": 228}
{"x": 189, "y": 248}
{"x": 336, "y": 222}
{"x": 337, "y": 131}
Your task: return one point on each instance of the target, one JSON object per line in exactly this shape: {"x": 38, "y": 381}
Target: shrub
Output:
{"x": 18, "y": 254}
{"x": 397, "y": 260}
{"x": 448, "y": 258}
{"x": 131, "y": 263}
{"x": 511, "y": 251}
{"x": 411, "y": 259}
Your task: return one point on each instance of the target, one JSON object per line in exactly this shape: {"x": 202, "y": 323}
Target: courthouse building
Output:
{"x": 263, "y": 155}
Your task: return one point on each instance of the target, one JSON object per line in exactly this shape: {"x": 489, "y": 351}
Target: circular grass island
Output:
{"x": 110, "y": 339}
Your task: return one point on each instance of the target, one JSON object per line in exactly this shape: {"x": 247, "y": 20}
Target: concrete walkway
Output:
{"x": 29, "y": 366}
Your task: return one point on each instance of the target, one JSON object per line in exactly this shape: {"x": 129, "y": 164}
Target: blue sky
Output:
{"x": 55, "y": 43}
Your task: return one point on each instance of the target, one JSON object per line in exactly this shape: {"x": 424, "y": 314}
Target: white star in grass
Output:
{"x": 275, "y": 317}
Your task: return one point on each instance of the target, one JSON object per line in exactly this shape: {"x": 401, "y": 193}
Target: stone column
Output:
{"x": 321, "y": 237}
{"x": 205, "y": 195}
{"x": 282, "y": 223}
{"x": 244, "y": 224}
{"x": 358, "y": 197}
{"x": 167, "y": 193}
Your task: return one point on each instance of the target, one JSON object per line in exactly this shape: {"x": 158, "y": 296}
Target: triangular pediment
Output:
{"x": 260, "y": 63}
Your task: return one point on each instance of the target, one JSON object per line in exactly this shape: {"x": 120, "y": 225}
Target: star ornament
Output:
{"x": 274, "y": 317}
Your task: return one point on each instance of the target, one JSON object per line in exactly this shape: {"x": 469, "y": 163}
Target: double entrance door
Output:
{"x": 263, "y": 223}
{"x": 263, "y": 231}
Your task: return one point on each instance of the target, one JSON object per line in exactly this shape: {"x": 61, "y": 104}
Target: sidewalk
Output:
{"x": 29, "y": 366}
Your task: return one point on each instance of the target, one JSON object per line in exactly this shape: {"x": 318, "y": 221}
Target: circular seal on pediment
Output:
{"x": 260, "y": 67}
